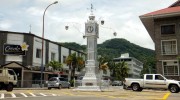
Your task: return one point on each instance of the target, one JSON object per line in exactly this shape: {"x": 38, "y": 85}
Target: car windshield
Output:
{"x": 52, "y": 79}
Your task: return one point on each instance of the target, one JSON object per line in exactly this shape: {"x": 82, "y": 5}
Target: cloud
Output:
{"x": 121, "y": 16}
{"x": 5, "y": 24}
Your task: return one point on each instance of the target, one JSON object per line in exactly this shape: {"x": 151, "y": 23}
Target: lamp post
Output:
{"x": 42, "y": 67}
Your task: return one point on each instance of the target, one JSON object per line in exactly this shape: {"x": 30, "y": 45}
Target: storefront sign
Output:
{"x": 10, "y": 49}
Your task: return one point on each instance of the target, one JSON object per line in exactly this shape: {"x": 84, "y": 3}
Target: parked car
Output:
{"x": 152, "y": 81}
{"x": 58, "y": 82}
{"x": 116, "y": 83}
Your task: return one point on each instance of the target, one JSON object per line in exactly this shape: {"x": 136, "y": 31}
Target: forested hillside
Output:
{"x": 115, "y": 47}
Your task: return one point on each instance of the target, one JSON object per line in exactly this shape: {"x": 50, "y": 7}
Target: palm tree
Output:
{"x": 74, "y": 62}
{"x": 103, "y": 63}
{"x": 55, "y": 65}
{"x": 121, "y": 70}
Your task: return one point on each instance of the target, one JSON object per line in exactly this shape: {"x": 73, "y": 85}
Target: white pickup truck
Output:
{"x": 152, "y": 81}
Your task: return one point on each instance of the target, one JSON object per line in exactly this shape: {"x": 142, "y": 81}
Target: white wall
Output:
{"x": 64, "y": 52}
{"x": 38, "y": 45}
{"x": 16, "y": 39}
{"x": 53, "y": 48}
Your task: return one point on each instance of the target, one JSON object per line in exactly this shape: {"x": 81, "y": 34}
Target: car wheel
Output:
{"x": 69, "y": 86}
{"x": 59, "y": 87}
{"x": 135, "y": 87}
{"x": 9, "y": 87}
{"x": 174, "y": 89}
{"x": 49, "y": 88}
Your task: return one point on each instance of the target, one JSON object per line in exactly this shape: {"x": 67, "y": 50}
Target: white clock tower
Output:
{"x": 91, "y": 80}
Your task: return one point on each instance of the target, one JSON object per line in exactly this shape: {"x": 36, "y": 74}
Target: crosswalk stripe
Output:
{"x": 54, "y": 94}
{"x": 24, "y": 94}
{"x": 2, "y": 95}
{"x": 13, "y": 95}
{"x": 42, "y": 94}
{"x": 33, "y": 94}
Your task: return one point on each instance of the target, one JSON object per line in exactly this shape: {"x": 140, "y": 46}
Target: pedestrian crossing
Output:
{"x": 25, "y": 95}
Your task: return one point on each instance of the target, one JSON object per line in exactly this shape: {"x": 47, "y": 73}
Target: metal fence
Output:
{"x": 104, "y": 84}
{"x": 31, "y": 84}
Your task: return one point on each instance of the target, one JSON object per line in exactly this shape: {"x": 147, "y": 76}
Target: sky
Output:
{"x": 120, "y": 16}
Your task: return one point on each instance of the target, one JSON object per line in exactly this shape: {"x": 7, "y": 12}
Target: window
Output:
{"x": 168, "y": 29}
{"x": 169, "y": 47}
{"x": 170, "y": 68}
{"x": 38, "y": 53}
{"x": 53, "y": 55}
{"x": 11, "y": 72}
{"x": 64, "y": 59}
{"x": 149, "y": 77}
{"x": 158, "y": 77}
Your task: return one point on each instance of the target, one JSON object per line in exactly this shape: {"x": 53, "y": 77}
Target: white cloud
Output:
{"x": 5, "y": 24}
{"x": 120, "y": 15}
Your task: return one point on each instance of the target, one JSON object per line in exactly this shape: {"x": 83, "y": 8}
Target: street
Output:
{"x": 115, "y": 93}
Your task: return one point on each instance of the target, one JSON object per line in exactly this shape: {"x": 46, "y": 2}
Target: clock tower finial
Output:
{"x": 92, "y": 17}
{"x": 92, "y": 9}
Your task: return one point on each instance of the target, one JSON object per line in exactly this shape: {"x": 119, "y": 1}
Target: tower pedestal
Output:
{"x": 91, "y": 80}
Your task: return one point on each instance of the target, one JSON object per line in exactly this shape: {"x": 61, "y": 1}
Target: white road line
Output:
{"x": 13, "y": 95}
{"x": 54, "y": 95}
{"x": 33, "y": 94}
{"x": 24, "y": 94}
{"x": 42, "y": 94}
{"x": 2, "y": 96}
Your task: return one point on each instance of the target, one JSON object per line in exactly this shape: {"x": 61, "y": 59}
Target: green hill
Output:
{"x": 115, "y": 47}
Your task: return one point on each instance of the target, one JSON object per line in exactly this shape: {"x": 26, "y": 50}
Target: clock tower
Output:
{"x": 91, "y": 80}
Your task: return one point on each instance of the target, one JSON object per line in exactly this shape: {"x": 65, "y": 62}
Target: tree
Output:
{"x": 55, "y": 65}
{"x": 74, "y": 62}
{"x": 103, "y": 63}
{"x": 121, "y": 70}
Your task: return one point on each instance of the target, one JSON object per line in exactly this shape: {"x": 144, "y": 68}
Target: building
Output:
{"x": 135, "y": 66}
{"x": 27, "y": 63}
{"x": 164, "y": 28}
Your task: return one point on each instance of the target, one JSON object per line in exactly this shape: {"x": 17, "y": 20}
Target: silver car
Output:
{"x": 58, "y": 82}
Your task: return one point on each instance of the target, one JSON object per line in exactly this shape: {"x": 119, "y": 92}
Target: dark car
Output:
{"x": 116, "y": 83}
{"x": 58, "y": 82}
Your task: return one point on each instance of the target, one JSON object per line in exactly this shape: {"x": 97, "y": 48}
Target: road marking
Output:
{"x": 67, "y": 93}
{"x": 2, "y": 95}
{"x": 54, "y": 94}
{"x": 24, "y": 94}
{"x": 42, "y": 94}
{"x": 166, "y": 96}
{"x": 33, "y": 94}
{"x": 13, "y": 95}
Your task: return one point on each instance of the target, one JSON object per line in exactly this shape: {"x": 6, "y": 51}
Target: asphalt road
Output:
{"x": 112, "y": 93}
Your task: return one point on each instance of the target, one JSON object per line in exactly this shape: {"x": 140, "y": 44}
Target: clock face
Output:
{"x": 90, "y": 29}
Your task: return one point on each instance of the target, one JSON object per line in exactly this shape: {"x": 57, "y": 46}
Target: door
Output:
{"x": 160, "y": 82}
{"x": 148, "y": 81}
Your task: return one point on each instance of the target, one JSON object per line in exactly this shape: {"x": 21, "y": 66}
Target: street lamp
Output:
{"x": 42, "y": 67}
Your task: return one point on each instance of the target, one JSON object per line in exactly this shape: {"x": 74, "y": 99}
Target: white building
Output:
{"x": 135, "y": 66}
{"x": 27, "y": 63}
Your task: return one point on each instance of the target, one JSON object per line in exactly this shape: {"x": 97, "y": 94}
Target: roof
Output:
{"x": 14, "y": 66}
{"x": 169, "y": 12}
{"x": 172, "y": 9}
